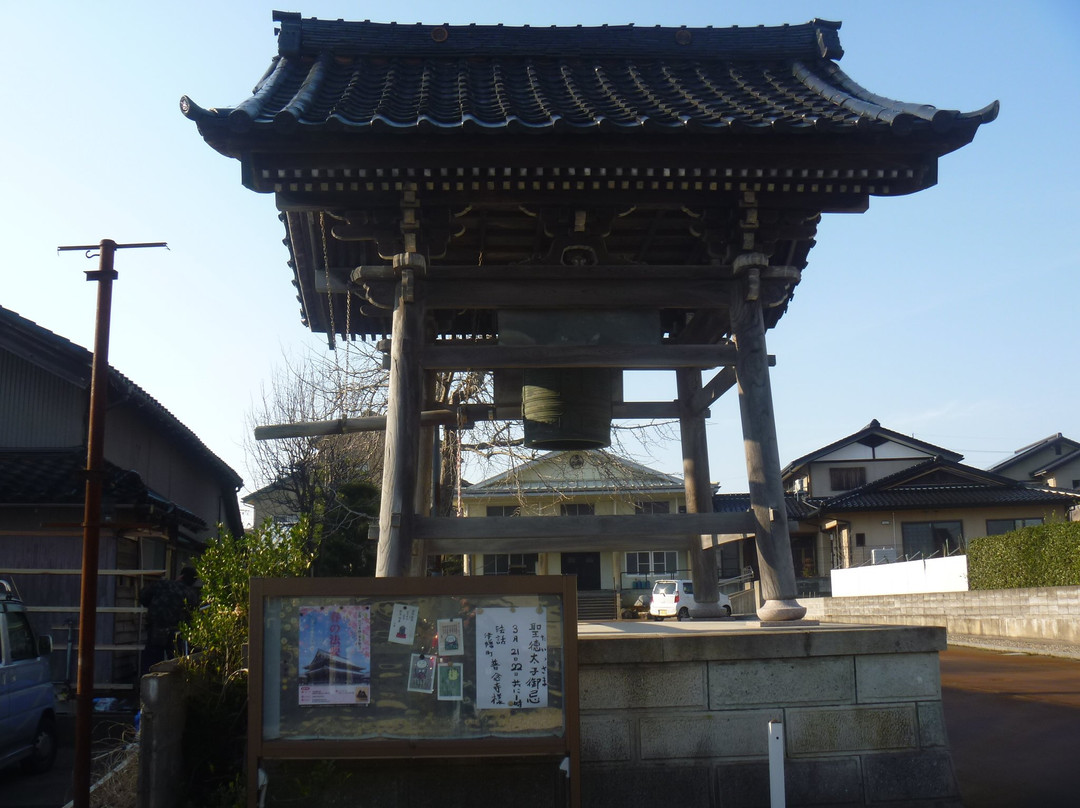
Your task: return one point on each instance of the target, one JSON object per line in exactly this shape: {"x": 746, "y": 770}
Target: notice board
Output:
{"x": 445, "y": 667}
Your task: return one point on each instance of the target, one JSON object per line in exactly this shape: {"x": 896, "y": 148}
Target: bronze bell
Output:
{"x": 567, "y": 408}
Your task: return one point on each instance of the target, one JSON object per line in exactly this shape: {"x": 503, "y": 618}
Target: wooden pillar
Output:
{"x": 699, "y": 494}
{"x": 762, "y": 455}
{"x": 402, "y": 450}
{"x": 427, "y": 466}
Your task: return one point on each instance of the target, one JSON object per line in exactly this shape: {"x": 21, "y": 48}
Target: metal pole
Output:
{"x": 95, "y": 453}
{"x": 777, "y": 789}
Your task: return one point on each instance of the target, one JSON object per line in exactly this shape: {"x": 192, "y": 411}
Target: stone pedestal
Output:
{"x": 682, "y": 717}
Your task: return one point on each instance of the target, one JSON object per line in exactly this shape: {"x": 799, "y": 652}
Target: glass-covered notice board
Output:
{"x": 358, "y": 668}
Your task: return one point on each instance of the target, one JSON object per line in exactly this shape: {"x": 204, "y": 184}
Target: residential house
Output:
{"x": 164, "y": 495}
{"x": 580, "y": 483}
{"x": 878, "y": 495}
{"x": 275, "y": 502}
{"x": 1053, "y": 462}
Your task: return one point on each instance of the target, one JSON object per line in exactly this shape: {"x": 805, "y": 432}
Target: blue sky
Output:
{"x": 949, "y": 315}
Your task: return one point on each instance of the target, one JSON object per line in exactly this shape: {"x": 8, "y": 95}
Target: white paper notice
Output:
{"x": 511, "y": 658}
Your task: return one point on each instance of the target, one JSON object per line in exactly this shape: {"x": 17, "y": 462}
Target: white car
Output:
{"x": 675, "y": 598}
{"x": 27, "y": 698}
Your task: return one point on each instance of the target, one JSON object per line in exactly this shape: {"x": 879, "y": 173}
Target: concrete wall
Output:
{"x": 678, "y": 719}
{"x": 683, "y": 719}
{"x": 1047, "y": 613}
{"x": 905, "y": 577}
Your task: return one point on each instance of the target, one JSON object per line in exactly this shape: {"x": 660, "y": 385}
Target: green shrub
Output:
{"x": 216, "y": 673}
{"x": 1044, "y": 555}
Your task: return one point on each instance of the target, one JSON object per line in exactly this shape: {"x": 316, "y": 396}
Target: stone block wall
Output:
{"x": 1050, "y": 614}
{"x": 685, "y": 717}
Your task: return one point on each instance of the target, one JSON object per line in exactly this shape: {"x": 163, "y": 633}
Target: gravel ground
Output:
{"x": 1017, "y": 646}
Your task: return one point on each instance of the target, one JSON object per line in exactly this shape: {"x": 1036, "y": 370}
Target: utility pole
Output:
{"x": 95, "y": 453}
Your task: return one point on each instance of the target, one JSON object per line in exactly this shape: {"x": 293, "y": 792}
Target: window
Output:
{"x": 995, "y": 527}
{"x": 652, "y": 507}
{"x": 510, "y": 563}
{"x": 926, "y": 539}
{"x": 860, "y": 539}
{"x": 846, "y": 478}
{"x": 577, "y": 509}
{"x": 652, "y": 562}
{"x": 503, "y": 510}
{"x": 22, "y": 638}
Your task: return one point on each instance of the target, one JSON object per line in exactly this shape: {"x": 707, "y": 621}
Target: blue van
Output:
{"x": 27, "y": 697}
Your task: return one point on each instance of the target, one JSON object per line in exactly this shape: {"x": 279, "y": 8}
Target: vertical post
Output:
{"x": 695, "y": 452}
{"x": 425, "y": 486}
{"x": 402, "y": 447}
{"x": 763, "y": 459}
{"x": 777, "y": 787}
{"x": 92, "y": 509}
{"x": 95, "y": 455}
{"x": 95, "y": 461}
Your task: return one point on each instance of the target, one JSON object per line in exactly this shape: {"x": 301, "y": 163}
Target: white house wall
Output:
{"x": 886, "y": 451}
{"x": 883, "y": 529}
{"x": 820, "y": 485}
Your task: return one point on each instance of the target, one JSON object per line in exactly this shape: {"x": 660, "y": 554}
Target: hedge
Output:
{"x": 1044, "y": 555}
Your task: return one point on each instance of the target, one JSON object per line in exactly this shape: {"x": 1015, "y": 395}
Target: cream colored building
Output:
{"x": 580, "y": 483}
{"x": 878, "y": 495}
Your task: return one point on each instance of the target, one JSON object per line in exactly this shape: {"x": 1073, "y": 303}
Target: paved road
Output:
{"x": 1014, "y": 727}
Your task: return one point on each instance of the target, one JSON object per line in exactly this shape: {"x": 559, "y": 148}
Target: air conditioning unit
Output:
{"x": 883, "y": 555}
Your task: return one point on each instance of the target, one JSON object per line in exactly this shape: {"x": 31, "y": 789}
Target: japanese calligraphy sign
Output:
{"x": 511, "y": 658}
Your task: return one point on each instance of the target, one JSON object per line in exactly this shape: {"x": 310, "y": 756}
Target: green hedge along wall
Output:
{"x": 1045, "y": 555}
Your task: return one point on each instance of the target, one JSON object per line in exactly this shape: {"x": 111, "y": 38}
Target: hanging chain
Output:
{"x": 341, "y": 394}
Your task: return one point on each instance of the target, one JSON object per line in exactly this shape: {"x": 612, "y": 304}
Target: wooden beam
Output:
{"x": 564, "y": 544}
{"x": 607, "y": 532}
{"x": 711, "y": 392}
{"x": 634, "y": 357}
{"x": 580, "y": 293}
{"x": 625, "y": 410}
{"x": 695, "y": 453}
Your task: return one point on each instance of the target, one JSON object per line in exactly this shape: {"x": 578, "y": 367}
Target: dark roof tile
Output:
{"x": 364, "y": 76}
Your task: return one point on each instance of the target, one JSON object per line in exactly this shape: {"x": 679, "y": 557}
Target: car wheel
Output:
{"x": 684, "y": 614}
{"x": 44, "y": 747}
{"x": 727, "y": 610}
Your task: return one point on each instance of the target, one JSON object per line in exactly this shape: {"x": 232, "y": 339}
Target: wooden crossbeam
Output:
{"x": 631, "y": 357}
{"x": 598, "y": 532}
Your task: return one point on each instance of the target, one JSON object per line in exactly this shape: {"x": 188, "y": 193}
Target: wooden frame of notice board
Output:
{"x": 408, "y": 668}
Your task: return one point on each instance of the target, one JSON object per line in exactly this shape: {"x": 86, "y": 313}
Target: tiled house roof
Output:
{"x": 873, "y": 434}
{"x": 797, "y": 507}
{"x": 941, "y": 483}
{"x": 58, "y": 477}
{"x": 554, "y": 473}
{"x": 1068, "y": 447}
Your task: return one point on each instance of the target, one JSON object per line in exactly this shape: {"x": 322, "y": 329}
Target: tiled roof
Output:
{"x": 351, "y": 77}
{"x": 1020, "y": 455}
{"x": 58, "y": 477}
{"x": 1057, "y": 462}
{"x": 797, "y": 507}
{"x": 939, "y": 483}
{"x": 873, "y": 431}
{"x": 620, "y": 475}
